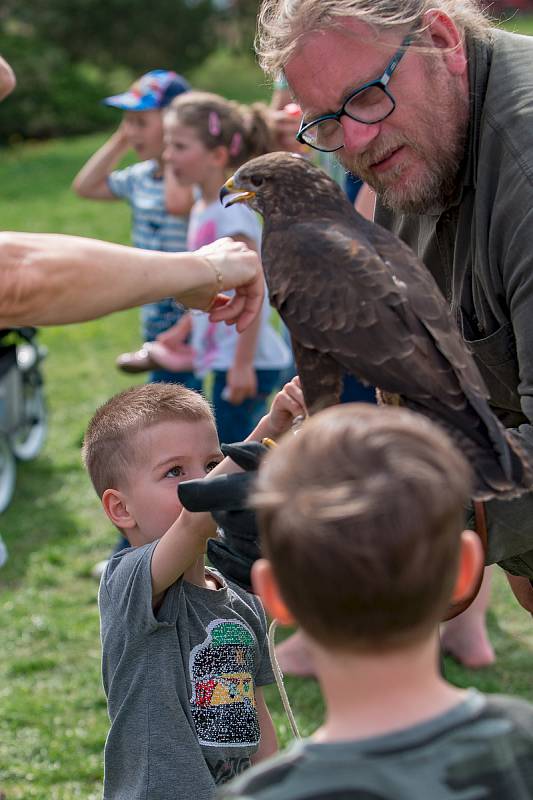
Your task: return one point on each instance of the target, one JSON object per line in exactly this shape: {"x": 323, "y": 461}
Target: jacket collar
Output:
{"x": 479, "y": 55}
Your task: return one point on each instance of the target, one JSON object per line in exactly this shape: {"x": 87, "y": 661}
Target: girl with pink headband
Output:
{"x": 206, "y": 138}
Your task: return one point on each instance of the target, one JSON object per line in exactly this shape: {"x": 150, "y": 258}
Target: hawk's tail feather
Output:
{"x": 498, "y": 469}
{"x": 522, "y": 467}
{"x": 513, "y": 460}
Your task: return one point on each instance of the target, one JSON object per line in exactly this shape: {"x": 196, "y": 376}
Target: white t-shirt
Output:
{"x": 215, "y": 343}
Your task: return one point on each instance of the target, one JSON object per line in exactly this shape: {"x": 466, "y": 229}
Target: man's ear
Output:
{"x": 114, "y": 504}
{"x": 471, "y": 562}
{"x": 265, "y": 585}
{"x": 446, "y": 36}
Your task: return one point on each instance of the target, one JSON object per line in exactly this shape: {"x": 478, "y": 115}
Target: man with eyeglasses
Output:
{"x": 433, "y": 108}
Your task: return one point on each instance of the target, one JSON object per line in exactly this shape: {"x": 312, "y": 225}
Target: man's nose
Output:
{"x": 357, "y": 135}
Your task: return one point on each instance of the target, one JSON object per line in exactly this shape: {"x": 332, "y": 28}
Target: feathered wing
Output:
{"x": 380, "y": 315}
{"x": 425, "y": 298}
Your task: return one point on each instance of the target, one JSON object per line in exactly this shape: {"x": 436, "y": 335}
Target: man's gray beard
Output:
{"x": 426, "y": 197}
{"x": 432, "y": 193}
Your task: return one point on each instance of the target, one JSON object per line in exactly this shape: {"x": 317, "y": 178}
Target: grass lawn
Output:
{"x": 53, "y": 718}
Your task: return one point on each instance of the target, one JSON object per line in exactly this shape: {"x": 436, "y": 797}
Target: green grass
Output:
{"x": 519, "y": 23}
{"x": 52, "y": 709}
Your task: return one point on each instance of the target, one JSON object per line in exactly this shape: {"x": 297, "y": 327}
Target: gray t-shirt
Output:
{"x": 482, "y": 749}
{"x": 180, "y": 682}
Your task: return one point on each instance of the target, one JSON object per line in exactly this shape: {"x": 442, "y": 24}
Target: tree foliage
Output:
{"x": 68, "y": 55}
{"x": 135, "y": 33}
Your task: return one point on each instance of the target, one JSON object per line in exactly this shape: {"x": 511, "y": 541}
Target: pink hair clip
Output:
{"x": 215, "y": 127}
{"x": 235, "y": 144}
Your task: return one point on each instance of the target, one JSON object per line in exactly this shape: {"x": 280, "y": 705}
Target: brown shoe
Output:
{"x": 139, "y": 361}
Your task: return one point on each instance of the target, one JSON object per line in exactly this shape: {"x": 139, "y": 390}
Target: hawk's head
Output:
{"x": 283, "y": 183}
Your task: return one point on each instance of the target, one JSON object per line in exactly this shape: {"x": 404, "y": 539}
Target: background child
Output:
{"x": 184, "y": 653}
{"x": 361, "y": 516}
{"x": 207, "y": 137}
{"x": 159, "y": 204}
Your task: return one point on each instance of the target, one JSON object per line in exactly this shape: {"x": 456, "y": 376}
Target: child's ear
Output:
{"x": 265, "y": 585}
{"x": 471, "y": 562}
{"x": 114, "y": 504}
{"x": 220, "y": 155}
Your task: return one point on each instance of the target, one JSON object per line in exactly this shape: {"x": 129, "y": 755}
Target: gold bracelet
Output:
{"x": 219, "y": 281}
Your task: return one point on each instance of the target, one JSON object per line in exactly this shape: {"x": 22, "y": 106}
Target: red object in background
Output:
{"x": 293, "y": 109}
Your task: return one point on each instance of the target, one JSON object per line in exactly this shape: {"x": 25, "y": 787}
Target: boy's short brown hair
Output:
{"x": 360, "y": 514}
{"x": 109, "y": 444}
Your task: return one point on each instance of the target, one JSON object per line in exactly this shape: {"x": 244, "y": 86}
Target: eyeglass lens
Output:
{"x": 368, "y": 106}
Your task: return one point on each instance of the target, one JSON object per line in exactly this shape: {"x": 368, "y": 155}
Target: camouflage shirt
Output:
{"x": 482, "y": 749}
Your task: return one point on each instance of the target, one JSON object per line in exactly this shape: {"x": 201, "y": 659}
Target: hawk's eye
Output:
{"x": 256, "y": 180}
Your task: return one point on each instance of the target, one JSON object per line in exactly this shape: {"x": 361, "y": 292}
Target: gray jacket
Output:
{"x": 480, "y": 251}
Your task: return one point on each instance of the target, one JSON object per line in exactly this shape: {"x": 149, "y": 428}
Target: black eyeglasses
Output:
{"x": 370, "y": 103}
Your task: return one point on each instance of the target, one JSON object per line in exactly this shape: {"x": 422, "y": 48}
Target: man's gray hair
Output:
{"x": 282, "y": 22}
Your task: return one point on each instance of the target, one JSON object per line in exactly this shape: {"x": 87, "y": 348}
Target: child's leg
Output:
{"x": 294, "y": 657}
{"x": 466, "y": 637}
{"x": 234, "y": 423}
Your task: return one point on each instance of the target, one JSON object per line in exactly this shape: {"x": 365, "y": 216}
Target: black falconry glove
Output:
{"x": 226, "y": 498}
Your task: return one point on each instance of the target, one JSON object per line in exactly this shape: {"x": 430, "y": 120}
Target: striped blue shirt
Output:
{"x": 153, "y": 228}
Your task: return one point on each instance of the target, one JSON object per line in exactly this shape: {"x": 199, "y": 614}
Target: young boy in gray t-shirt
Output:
{"x": 184, "y": 653}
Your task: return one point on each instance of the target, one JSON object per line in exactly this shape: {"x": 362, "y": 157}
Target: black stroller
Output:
{"x": 23, "y": 414}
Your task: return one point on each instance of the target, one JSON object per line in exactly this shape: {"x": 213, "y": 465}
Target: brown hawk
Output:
{"x": 357, "y": 300}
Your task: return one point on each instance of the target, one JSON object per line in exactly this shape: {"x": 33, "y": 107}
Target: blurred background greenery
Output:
{"x": 69, "y": 55}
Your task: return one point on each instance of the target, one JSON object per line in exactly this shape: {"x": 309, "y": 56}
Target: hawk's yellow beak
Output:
{"x": 229, "y": 189}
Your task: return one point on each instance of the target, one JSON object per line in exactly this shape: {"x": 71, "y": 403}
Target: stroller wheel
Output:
{"x": 28, "y": 439}
{"x": 8, "y": 472}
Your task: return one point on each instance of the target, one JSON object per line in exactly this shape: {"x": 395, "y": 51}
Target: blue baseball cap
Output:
{"x": 155, "y": 89}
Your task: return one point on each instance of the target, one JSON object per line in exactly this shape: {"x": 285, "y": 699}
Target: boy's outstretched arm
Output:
{"x": 237, "y": 547}
{"x": 91, "y": 180}
{"x": 186, "y": 540}
{"x": 183, "y": 543}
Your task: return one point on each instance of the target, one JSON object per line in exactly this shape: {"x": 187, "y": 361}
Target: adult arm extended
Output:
{"x": 51, "y": 279}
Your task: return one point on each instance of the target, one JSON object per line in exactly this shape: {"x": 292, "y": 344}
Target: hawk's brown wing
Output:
{"x": 386, "y": 323}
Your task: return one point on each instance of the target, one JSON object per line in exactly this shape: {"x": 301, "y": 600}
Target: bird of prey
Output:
{"x": 357, "y": 300}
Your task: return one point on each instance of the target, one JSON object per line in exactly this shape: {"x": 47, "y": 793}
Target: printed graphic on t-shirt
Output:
{"x": 225, "y": 769}
{"x": 204, "y": 234}
{"x": 223, "y": 693}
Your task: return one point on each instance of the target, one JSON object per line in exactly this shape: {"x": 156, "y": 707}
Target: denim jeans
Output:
{"x": 234, "y": 423}
{"x": 188, "y": 379}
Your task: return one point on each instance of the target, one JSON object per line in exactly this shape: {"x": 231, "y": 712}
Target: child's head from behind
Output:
{"x": 206, "y": 132}
{"x": 361, "y": 515}
{"x": 140, "y": 445}
{"x": 143, "y": 104}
